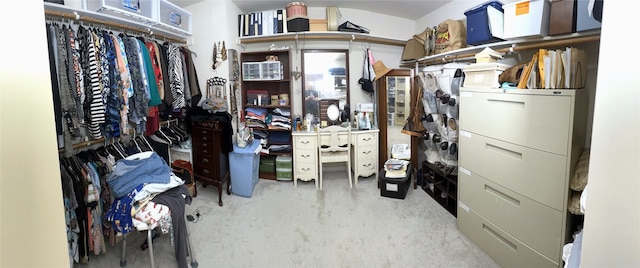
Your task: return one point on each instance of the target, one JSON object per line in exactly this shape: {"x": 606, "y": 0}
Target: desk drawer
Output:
{"x": 502, "y": 247}
{"x": 305, "y": 156}
{"x": 533, "y": 223}
{"x": 535, "y": 174}
{"x": 365, "y": 139}
{"x": 305, "y": 142}
{"x": 305, "y": 172}
{"x": 537, "y": 121}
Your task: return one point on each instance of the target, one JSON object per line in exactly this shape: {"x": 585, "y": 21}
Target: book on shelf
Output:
{"x": 262, "y": 23}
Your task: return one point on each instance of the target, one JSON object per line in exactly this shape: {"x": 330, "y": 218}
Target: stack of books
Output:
{"x": 396, "y": 168}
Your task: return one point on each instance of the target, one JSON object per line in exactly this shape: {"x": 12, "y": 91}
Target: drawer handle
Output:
{"x": 305, "y": 169}
{"x": 204, "y": 138}
{"x": 366, "y": 139}
{"x": 305, "y": 156}
{"x": 205, "y": 171}
{"x": 205, "y": 160}
{"x": 367, "y": 165}
{"x": 205, "y": 151}
{"x": 304, "y": 142}
{"x": 204, "y": 132}
{"x": 367, "y": 152}
{"x": 502, "y": 195}
{"x": 507, "y": 152}
{"x": 509, "y": 103}
{"x": 499, "y": 237}
{"x": 204, "y": 145}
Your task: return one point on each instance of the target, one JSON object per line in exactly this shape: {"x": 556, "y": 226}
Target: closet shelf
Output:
{"x": 91, "y": 17}
{"x": 322, "y": 36}
{"x": 468, "y": 53}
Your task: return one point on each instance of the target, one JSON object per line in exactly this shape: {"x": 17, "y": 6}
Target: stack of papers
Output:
{"x": 396, "y": 168}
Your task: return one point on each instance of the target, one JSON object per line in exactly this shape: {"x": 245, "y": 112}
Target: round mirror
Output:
{"x": 333, "y": 113}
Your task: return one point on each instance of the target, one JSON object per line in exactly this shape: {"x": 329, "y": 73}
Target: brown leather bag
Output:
{"x": 184, "y": 170}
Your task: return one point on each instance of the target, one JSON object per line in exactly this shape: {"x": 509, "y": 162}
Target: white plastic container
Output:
{"x": 140, "y": 10}
{"x": 483, "y": 75}
{"x": 173, "y": 17}
{"x": 526, "y": 19}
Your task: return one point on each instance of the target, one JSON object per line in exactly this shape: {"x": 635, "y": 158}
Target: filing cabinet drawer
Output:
{"x": 502, "y": 247}
{"x": 537, "y": 121}
{"x": 535, "y": 224}
{"x": 532, "y": 173}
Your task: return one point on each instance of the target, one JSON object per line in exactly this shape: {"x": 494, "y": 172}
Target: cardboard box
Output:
{"x": 317, "y": 25}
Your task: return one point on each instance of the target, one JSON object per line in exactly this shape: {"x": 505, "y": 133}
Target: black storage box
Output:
{"x": 298, "y": 25}
{"x": 394, "y": 187}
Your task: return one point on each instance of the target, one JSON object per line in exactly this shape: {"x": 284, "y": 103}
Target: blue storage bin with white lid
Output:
{"x": 485, "y": 23}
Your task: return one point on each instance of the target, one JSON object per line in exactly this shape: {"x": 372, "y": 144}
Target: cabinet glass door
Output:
{"x": 398, "y": 109}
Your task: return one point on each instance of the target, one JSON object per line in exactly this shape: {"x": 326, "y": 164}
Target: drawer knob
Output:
{"x": 205, "y": 151}
{"x": 204, "y": 138}
{"x": 204, "y": 145}
{"x": 204, "y": 132}
{"x": 205, "y": 171}
{"x": 205, "y": 160}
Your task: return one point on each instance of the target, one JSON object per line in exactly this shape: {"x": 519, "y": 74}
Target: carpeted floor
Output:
{"x": 283, "y": 226}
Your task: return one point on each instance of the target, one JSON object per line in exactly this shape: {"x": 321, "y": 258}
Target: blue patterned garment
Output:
{"x": 119, "y": 215}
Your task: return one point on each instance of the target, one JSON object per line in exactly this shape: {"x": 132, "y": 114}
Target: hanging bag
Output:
{"x": 368, "y": 74}
{"x": 215, "y": 101}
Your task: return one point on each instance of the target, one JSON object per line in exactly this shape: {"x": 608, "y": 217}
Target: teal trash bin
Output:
{"x": 244, "y": 165}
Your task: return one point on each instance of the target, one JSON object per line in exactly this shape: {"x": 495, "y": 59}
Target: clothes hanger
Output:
{"x": 147, "y": 142}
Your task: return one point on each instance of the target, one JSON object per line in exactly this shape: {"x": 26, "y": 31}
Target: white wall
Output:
{"x": 612, "y": 219}
{"x": 208, "y": 29}
{"x": 32, "y": 227}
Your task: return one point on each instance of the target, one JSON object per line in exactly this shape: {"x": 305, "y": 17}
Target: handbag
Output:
{"x": 215, "y": 101}
{"x": 368, "y": 74}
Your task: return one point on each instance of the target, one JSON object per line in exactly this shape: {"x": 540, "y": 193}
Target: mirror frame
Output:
{"x": 306, "y": 80}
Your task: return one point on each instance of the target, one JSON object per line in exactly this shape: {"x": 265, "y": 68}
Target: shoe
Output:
{"x": 429, "y": 103}
{"x": 452, "y": 129}
{"x": 458, "y": 77}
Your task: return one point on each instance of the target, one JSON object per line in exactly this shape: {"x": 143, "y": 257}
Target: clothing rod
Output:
{"x": 72, "y": 16}
{"x": 168, "y": 122}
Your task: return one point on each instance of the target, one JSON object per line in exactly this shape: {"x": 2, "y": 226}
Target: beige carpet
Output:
{"x": 283, "y": 226}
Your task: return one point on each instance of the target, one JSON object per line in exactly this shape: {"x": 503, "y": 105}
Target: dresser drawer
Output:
{"x": 204, "y": 160}
{"x": 535, "y": 224}
{"x": 532, "y": 173}
{"x": 305, "y": 142}
{"x": 206, "y": 171}
{"x": 537, "y": 121}
{"x": 365, "y": 151}
{"x": 502, "y": 247}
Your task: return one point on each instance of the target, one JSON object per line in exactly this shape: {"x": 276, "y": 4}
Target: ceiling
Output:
{"x": 410, "y": 9}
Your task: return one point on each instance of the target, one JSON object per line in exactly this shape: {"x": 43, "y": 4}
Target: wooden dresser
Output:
{"x": 210, "y": 159}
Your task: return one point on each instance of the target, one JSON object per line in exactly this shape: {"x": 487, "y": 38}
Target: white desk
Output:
{"x": 364, "y": 155}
